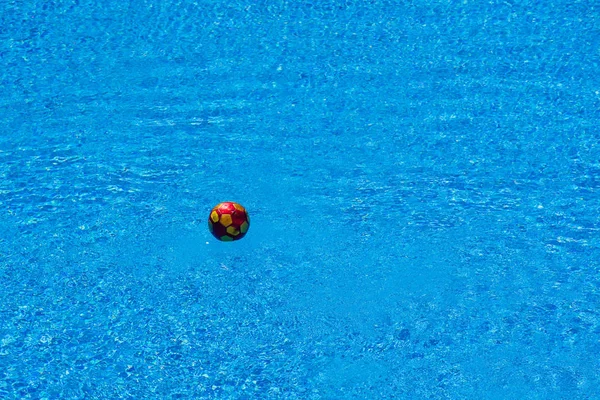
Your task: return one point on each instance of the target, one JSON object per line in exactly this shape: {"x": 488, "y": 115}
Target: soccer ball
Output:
{"x": 228, "y": 221}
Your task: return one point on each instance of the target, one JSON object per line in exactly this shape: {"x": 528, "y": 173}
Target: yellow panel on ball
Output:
{"x": 214, "y": 216}
{"x": 244, "y": 227}
{"x": 232, "y": 231}
{"x": 239, "y": 207}
{"x": 226, "y": 220}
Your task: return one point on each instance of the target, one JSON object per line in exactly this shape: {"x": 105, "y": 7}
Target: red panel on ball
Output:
{"x": 219, "y": 230}
{"x": 238, "y": 218}
{"x": 226, "y": 207}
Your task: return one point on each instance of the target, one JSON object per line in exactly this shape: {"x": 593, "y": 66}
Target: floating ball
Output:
{"x": 228, "y": 221}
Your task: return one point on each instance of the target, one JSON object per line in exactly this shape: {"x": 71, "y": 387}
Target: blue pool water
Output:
{"x": 423, "y": 181}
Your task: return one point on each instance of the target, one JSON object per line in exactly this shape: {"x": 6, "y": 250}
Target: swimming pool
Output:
{"x": 422, "y": 179}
